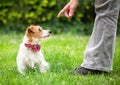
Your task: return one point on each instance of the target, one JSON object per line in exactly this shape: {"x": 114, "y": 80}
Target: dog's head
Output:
{"x": 36, "y": 33}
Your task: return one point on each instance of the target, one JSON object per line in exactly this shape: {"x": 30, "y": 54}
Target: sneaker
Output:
{"x": 85, "y": 71}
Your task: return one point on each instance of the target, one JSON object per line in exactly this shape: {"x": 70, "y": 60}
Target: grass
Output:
{"x": 64, "y": 52}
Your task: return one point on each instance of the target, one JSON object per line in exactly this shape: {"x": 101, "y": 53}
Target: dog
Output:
{"x": 30, "y": 55}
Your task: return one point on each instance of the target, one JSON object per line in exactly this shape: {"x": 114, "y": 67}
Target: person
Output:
{"x": 99, "y": 51}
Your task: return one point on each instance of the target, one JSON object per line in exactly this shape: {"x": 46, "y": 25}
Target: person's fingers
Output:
{"x": 67, "y": 13}
{"x": 71, "y": 13}
{"x": 60, "y": 13}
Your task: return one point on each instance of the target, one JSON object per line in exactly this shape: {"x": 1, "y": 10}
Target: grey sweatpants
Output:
{"x": 100, "y": 49}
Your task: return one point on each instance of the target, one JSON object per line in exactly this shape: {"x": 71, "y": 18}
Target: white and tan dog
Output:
{"x": 29, "y": 54}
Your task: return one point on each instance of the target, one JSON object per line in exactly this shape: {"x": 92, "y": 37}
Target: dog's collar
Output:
{"x": 34, "y": 48}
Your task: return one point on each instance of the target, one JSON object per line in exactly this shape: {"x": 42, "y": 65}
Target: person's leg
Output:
{"x": 100, "y": 49}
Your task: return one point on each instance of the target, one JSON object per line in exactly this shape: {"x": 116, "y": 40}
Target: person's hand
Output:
{"x": 69, "y": 9}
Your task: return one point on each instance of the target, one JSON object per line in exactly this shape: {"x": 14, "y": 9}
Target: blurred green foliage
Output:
{"x": 26, "y": 11}
{"x": 17, "y": 14}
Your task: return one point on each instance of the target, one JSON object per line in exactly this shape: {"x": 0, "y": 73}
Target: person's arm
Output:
{"x": 69, "y": 9}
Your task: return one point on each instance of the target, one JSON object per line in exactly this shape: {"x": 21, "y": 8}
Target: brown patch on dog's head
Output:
{"x": 34, "y": 32}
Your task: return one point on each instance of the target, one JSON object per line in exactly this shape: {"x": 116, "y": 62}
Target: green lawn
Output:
{"x": 64, "y": 52}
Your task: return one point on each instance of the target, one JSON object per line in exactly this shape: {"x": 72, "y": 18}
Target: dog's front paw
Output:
{"x": 44, "y": 67}
{"x": 22, "y": 71}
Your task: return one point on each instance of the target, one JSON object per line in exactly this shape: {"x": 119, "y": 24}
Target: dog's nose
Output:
{"x": 50, "y": 32}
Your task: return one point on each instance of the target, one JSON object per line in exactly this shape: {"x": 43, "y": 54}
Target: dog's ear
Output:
{"x": 29, "y": 33}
